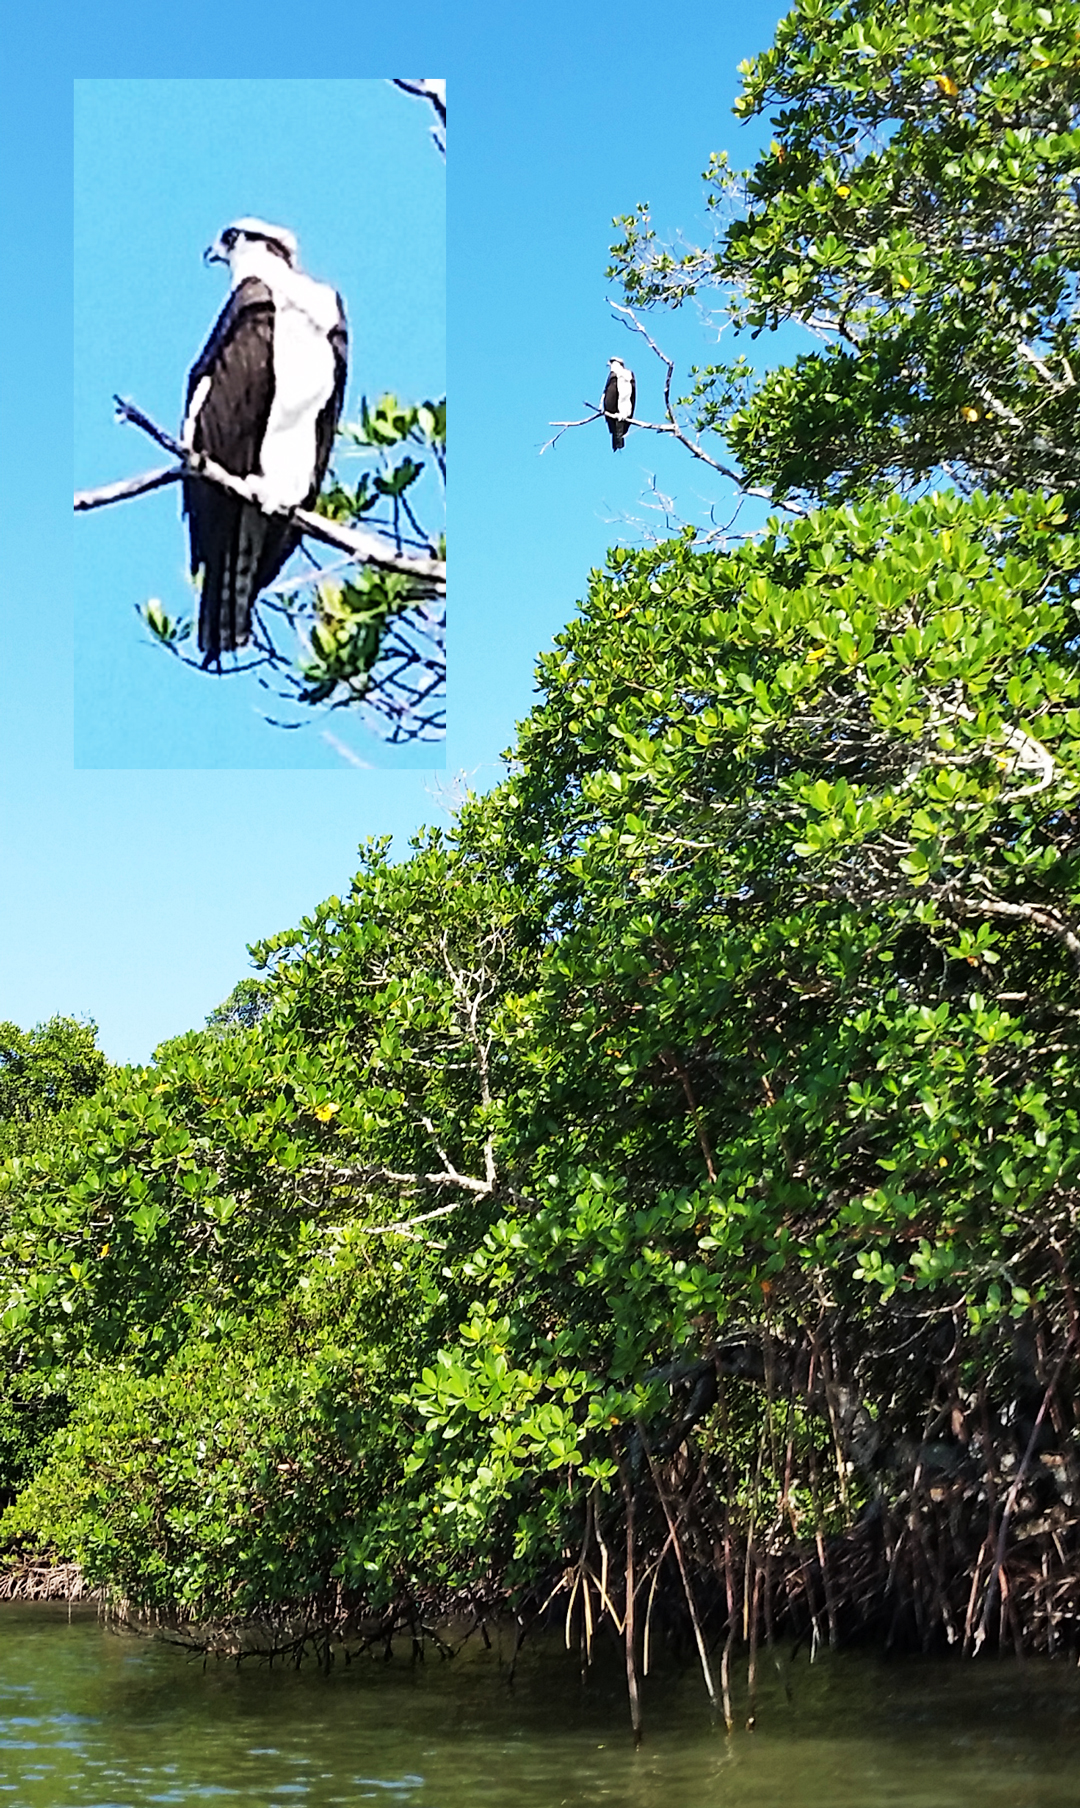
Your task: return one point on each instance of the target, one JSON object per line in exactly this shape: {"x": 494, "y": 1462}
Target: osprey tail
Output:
{"x": 239, "y": 550}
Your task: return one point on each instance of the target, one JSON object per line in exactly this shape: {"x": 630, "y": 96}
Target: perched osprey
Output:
{"x": 620, "y": 394}
{"x": 263, "y": 401}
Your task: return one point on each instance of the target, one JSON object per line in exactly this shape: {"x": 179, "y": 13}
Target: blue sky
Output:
{"x": 130, "y": 894}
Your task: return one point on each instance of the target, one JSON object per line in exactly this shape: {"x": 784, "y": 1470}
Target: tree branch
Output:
{"x": 405, "y": 1227}
{"x": 1028, "y": 913}
{"x": 367, "y": 548}
{"x": 430, "y": 89}
{"x": 596, "y": 415}
{"x": 130, "y": 486}
{"x": 361, "y": 1177}
{"x": 671, "y": 425}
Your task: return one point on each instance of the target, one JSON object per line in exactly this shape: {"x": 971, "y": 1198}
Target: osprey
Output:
{"x": 620, "y": 394}
{"x": 263, "y": 401}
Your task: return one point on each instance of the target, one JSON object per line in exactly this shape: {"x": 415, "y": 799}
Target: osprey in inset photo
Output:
{"x": 263, "y": 401}
{"x": 620, "y": 394}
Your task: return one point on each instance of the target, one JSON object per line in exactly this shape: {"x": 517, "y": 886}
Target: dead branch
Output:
{"x": 405, "y": 1227}
{"x": 130, "y": 486}
{"x": 358, "y": 1178}
{"x": 998, "y": 1574}
{"x": 672, "y": 426}
{"x": 1030, "y": 913}
{"x": 367, "y": 548}
{"x": 429, "y": 89}
{"x": 596, "y": 415}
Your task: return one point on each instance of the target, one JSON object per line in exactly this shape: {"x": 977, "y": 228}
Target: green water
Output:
{"x": 93, "y": 1719}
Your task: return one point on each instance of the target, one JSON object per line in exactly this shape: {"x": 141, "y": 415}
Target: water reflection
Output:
{"x": 89, "y": 1719}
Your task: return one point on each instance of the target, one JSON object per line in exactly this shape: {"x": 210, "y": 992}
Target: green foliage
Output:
{"x": 917, "y": 209}
{"x": 227, "y": 1482}
{"x": 349, "y": 631}
{"x": 381, "y": 429}
{"x": 393, "y": 423}
{"x": 169, "y": 631}
{"x": 355, "y": 652}
{"x": 43, "y": 1071}
{"x": 803, "y": 818}
{"x": 30, "y": 1414}
{"x": 246, "y": 1003}
{"x": 182, "y": 1190}
{"x": 749, "y": 993}
{"x": 253, "y": 1193}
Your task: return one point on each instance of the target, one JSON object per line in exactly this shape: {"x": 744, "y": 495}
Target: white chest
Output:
{"x": 624, "y": 406}
{"x": 303, "y": 384}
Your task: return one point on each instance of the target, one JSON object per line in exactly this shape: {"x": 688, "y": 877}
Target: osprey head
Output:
{"x": 277, "y": 238}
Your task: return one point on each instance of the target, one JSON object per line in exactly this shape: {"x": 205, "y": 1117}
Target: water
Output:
{"x": 93, "y": 1719}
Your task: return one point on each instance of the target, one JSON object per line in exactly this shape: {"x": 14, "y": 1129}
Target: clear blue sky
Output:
{"x": 129, "y": 895}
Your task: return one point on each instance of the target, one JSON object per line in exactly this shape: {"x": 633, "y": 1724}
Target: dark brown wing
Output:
{"x": 238, "y": 358}
{"x": 233, "y": 544}
{"x": 611, "y": 411}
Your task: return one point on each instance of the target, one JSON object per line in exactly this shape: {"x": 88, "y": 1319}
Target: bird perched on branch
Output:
{"x": 263, "y": 401}
{"x": 620, "y": 394}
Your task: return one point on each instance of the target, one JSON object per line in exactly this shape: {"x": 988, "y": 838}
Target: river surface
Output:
{"x": 96, "y": 1719}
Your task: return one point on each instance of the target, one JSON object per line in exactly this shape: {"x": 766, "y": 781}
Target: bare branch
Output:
{"x": 1030, "y": 754}
{"x": 357, "y": 1178}
{"x": 1057, "y": 386}
{"x": 403, "y": 1227}
{"x": 345, "y": 752}
{"x": 670, "y": 425}
{"x": 317, "y": 575}
{"x": 430, "y": 89}
{"x": 1030, "y": 913}
{"x": 370, "y": 550}
{"x": 129, "y": 486}
{"x": 596, "y": 415}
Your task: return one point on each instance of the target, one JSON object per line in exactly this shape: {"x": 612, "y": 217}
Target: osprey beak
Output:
{"x": 215, "y": 253}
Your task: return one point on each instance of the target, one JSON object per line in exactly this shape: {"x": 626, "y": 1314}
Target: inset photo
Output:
{"x": 260, "y": 423}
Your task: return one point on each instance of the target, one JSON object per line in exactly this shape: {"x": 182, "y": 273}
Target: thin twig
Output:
{"x": 431, "y": 89}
